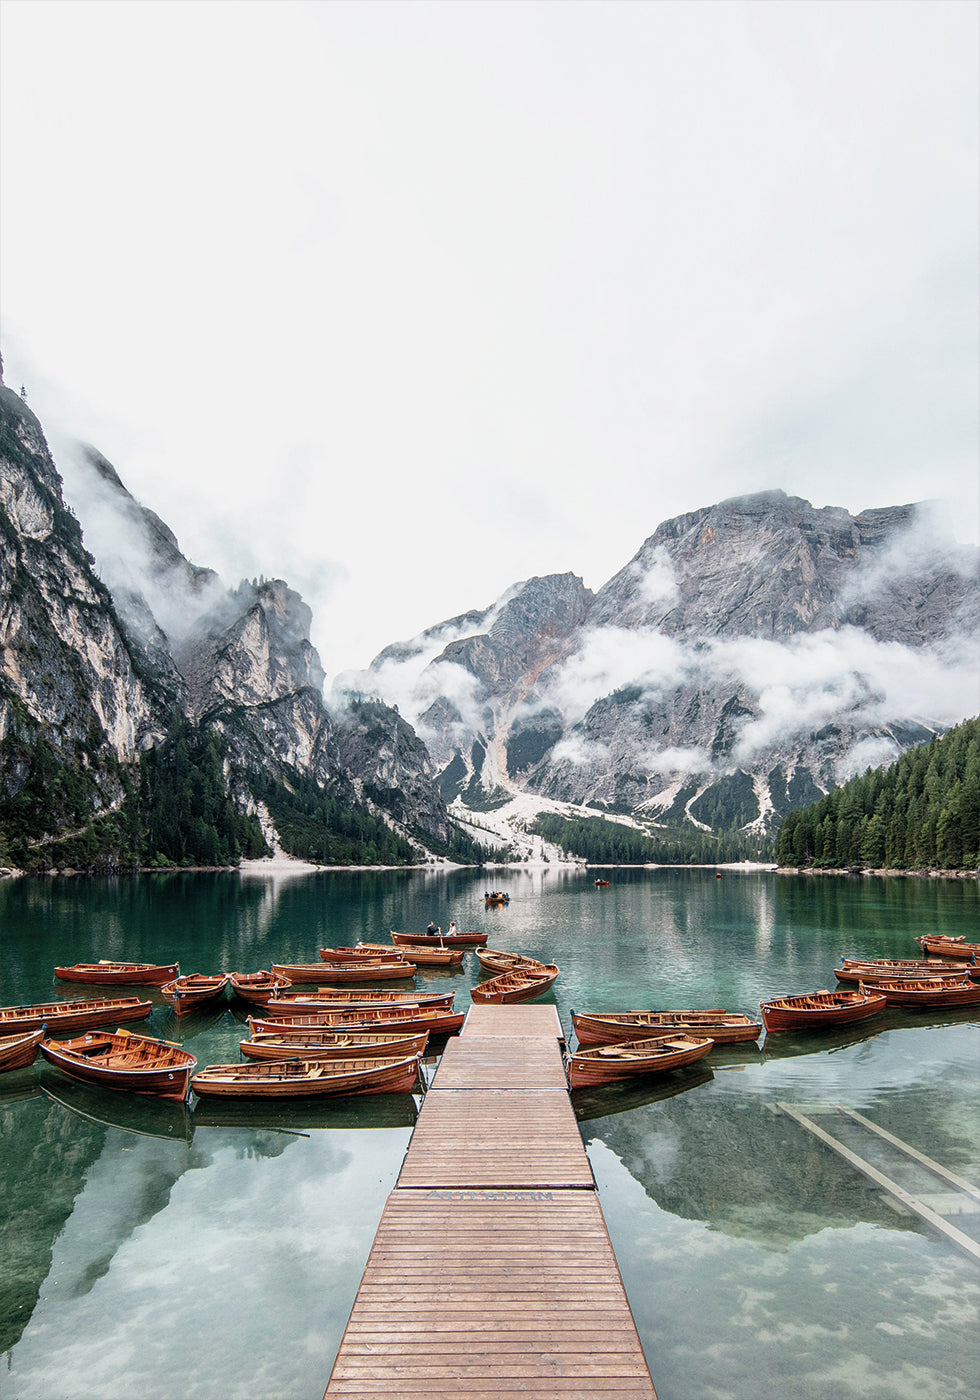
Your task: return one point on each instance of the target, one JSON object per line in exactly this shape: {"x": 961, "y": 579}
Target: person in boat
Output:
{"x": 452, "y": 927}
{"x": 432, "y": 931}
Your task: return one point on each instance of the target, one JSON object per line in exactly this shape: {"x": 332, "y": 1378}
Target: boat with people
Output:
{"x": 930, "y": 992}
{"x": 601, "y": 884}
{"x": 609, "y": 1027}
{"x": 83, "y": 1014}
{"x": 370, "y": 970}
{"x": 257, "y": 987}
{"x": 496, "y": 897}
{"x": 522, "y": 984}
{"x": 298, "y": 1078}
{"x": 608, "y": 1064}
{"x": 813, "y": 1011}
{"x": 437, "y": 955}
{"x": 19, "y": 1051}
{"x": 107, "y": 973}
{"x": 331, "y": 1045}
{"x": 193, "y": 989}
{"x": 445, "y": 940}
{"x": 890, "y": 969}
{"x": 119, "y": 1059}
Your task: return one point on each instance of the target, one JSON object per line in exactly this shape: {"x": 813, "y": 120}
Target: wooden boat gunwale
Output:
{"x": 80, "y": 1014}
{"x": 18, "y": 1051}
{"x": 608, "y": 1028}
{"x": 302, "y": 1078}
{"x": 108, "y": 973}
{"x": 610, "y": 1064}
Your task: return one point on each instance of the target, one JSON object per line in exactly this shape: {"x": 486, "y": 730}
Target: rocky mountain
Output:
{"x": 107, "y": 656}
{"x": 751, "y": 655}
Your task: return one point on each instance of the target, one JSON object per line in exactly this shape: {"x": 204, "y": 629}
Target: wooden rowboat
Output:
{"x": 375, "y": 970}
{"x": 335, "y": 999}
{"x": 84, "y": 1014}
{"x": 290, "y": 1079}
{"x": 496, "y": 898}
{"x": 889, "y": 970}
{"x": 819, "y": 1010}
{"x": 495, "y": 960}
{"x": 947, "y": 947}
{"x": 610, "y": 1027}
{"x": 930, "y": 991}
{"x": 361, "y": 953}
{"x": 608, "y": 1063}
{"x": 436, "y": 956}
{"x": 332, "y": 1045}
{"x": 436, "y": 1020}
{"x": 119, "y": 1060}
{"x": 257, "y": 987}
{"x": 442, "y": 940}
{"x": 19, "y": 1051}
{"x": 522, "y": 985}
{"x": 126, "y": 973}
{"x": 194, "y": 989}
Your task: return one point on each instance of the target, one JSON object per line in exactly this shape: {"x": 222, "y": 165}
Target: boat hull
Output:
{"x": 299, "y": 1005}
{"x": 332, "y": 1045}
{"x": 930, "y": 993}
{"x": 495, "y": 960}
{"x": 609, "y": 1064}
{"x": 949, "y": 947}
{"x": 381, "y": 970}
{"x": 114, "y": 1062}
{"x": 256, "y": 988}
{"x": 445, "y": 940}
{"x": 405, "y": 1019}
{"x": 820, "y": 1010}
{"x": 511, "y": 987}
{"x": 308, "y": 1078}
{"x": 194, "y": 990}
{"x": 19, "y": 1051}
{"x": 425, "y": 957}
{"x": 81, "y": 1015}
{"x": 885, "y": 971}
{"x": 124, "y": 974}
{"x": 724, "y": 1027}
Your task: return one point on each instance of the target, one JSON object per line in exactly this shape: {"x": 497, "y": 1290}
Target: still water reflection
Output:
{"x": 180, "y": 1251}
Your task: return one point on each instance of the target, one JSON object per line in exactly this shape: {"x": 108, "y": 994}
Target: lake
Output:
{"x": 172, "y": 1252}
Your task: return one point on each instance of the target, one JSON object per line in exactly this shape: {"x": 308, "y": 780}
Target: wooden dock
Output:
{"x": 492, "y": 1274}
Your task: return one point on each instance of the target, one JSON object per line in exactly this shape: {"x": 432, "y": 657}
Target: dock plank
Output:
{"x": 492, "y": 1275}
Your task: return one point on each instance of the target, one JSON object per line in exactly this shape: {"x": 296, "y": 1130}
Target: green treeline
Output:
{"x": 317, "y": 826}
{"x": 603, "y": 842}
{"x": 922, "y": 811}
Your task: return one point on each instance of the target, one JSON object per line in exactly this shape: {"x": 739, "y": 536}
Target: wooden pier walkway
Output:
{"x": 492, "y": 1274}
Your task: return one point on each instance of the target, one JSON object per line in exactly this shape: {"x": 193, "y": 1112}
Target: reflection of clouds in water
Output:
{"x": 256, "y": 1258}
{"x": 850, "y": 1312}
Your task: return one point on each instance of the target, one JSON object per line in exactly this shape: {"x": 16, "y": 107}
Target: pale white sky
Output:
{"x": 404, "y": 302}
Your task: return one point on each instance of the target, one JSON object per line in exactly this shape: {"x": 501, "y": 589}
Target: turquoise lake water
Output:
{"x": 170, "y": 1252}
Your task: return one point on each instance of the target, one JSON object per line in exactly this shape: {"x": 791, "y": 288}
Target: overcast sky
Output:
{"x": 405, "y": 302}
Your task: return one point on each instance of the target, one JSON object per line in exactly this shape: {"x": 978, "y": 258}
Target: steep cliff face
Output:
{"x": 748, "y": 657}
{"x": 104, "y": 655}
{"x": 72, "y": 679}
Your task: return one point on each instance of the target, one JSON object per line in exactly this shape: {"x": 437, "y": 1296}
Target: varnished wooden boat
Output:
{"x": 85, "y": 1014}
{"x": 332, "y": 1045}
{"x": 496, "y": 898}
{"x": 290, "y": 1079}
{"x": 495, "y": 960}
{"x": 374, "y": 970}
{"x": 336, "y": 999}
{"x": 522, "y": 985}
{"x": 361, "y": 953}
{"x": 610, "y": 1027}
{"x": 930, "y": 992}
{"x": 819, "y": 1010}
{"x": 194, "y": 989}
{"x": 119, "y": 1060}
{"x": 435, "y": 956}
{"x": 947, "y": 947}
{"x": 608, "y": 1063}
{"x": 109, "y": 973}
{"x": 888, "y": 970}
{"x": 19, "y": 1051}
{"x": 442, "y": 940}
{"x": 257, "y": 987}
{"x": 437, "y": 1020}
